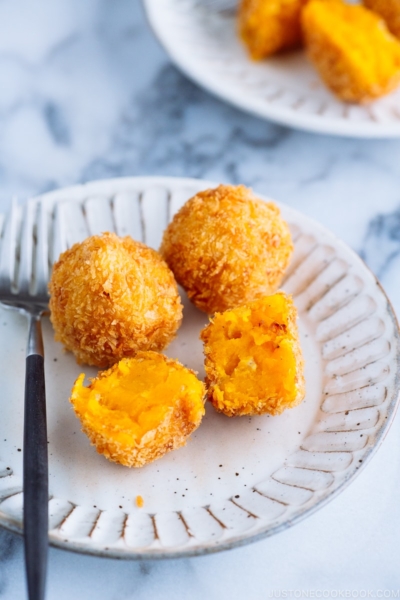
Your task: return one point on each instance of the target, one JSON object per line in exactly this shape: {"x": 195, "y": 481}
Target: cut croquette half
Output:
{"x": 269, "y": 26}
{"x": 254, "y": 363}
{"x": 139, "y": 409}
{"x": 352, "y": 49}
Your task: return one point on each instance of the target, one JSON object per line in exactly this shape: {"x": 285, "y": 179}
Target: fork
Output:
{"x": 24, "y": 271}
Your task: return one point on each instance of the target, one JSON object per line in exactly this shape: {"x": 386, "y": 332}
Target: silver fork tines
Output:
{"x": 8, "y": 248}
{"x": 24, "y": 264}
{"x": 41, "y": 260}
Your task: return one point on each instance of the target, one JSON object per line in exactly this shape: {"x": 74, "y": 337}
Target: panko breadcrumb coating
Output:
{"x": 110, "y": 298}
{"x": 351, "y": 47}
{"x": 226, "y": 247}
{"x": 389, "y": 10}
{"x": 268, "y": 26}
{"x": 254, "y": 363}
{"x": 139, "y": 409}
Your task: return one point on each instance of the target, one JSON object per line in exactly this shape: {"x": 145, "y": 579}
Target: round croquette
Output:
{"x": 111, "y": 297}
{"x": 226, "y": 247}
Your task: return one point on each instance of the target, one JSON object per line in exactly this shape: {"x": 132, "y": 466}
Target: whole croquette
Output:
{"x": 352, "y": 49}
{"x": 254, "y": 363}
{"x": 389, "y": 10}
{"x": 226, "y": 247}
{"x": 111, "y": 297}
{"x": 268, "y": 26}
{"x": 139, "y": 409}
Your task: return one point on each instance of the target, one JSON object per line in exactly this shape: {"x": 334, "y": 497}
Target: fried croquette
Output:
{"x": 254, "y": 363}
{"x": 352, "y": 49}
{"x": 140, "y": 408}
{"x": 269, "y": 26}
{"x": 112, "y": 297}
{"x": 226, "y": 247}
{"x": 389, "y": 10}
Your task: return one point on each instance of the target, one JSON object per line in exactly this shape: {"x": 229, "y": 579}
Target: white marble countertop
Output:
{"x": 86, "y": 93}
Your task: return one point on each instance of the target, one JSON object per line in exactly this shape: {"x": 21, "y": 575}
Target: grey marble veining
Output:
{"x": 86, "y": 93}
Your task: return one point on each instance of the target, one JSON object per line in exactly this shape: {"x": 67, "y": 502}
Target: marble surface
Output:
{"x": 86, "y": 93}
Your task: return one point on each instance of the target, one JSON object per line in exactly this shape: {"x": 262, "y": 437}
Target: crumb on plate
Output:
{"x": 139, "y": 501}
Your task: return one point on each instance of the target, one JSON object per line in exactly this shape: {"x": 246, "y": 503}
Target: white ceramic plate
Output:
{"x": 237, "y": 479}
{"x": 286, "y": 89}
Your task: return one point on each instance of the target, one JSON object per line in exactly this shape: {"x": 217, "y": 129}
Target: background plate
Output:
{"x": 237, "y": 479}
{"x": 286, "y": 89}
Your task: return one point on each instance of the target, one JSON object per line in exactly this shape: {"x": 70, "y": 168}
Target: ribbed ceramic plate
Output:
{"x": 237, "y": 479}
{"x": 204, "y": 45}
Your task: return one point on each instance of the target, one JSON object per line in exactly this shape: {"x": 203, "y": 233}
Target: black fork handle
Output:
{"x": 36, "y": 486}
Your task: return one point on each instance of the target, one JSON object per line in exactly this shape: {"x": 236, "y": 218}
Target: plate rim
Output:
{"x": 276, "y": 114}
{"x": 245, "y": 538}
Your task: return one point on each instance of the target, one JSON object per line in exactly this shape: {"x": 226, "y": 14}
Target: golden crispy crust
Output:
{"x": 110, "y": 298}
{"x": 352, "y": 49}
{"x": 269, "y": 26}
{"x": 254, "y": 363}
{"x": 115, "y": 432}
{"x": 389, "y": 10}
{"x": 226, "y": 247}
{"x": 170, "y": 435}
